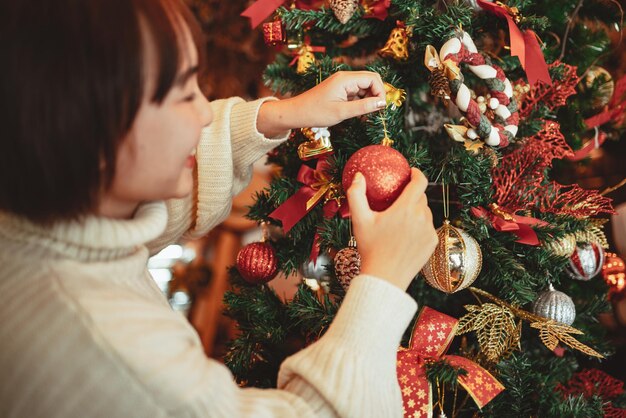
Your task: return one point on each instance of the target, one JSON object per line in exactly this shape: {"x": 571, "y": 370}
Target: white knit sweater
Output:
{"x": 85, "y": 332}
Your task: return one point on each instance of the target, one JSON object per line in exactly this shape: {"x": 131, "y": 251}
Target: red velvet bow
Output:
{"x": 525, "y": 46}
{"x": 378, "y": 9}
{"x": 508, "y": 222}
{"x": 316, "y": 186}
{"x": 262, "y": 9}
{"x": 430, "y": 338}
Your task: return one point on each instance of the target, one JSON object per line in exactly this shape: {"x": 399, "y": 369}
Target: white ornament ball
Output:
{"x": 494, "y": 103}
{"x": 471, "y": 133}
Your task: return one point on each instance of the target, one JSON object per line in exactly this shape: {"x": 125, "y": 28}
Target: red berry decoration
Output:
{"x": 257, "y": 263}
{"x": 386, "y": 173}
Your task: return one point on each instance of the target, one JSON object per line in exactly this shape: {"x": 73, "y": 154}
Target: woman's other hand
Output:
{"x": 341, "y": 96}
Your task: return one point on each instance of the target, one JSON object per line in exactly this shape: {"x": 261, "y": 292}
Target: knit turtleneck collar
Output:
{"x": 91, "y": 238}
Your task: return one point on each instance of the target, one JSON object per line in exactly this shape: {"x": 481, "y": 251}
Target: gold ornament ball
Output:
{"x": 456, "y": 262}
{"x": 605, "y": 89}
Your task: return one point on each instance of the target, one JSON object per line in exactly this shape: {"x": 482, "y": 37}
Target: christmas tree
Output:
{"x": 485, "y": 98}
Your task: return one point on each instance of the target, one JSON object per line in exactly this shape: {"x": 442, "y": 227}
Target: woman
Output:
{"x": 110, "y": 152}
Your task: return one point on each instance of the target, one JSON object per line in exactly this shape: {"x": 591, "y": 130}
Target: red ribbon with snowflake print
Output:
{"x": 431, "y": 336}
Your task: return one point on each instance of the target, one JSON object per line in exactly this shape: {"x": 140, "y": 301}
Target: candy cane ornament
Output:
{"x": 462, "y": 50}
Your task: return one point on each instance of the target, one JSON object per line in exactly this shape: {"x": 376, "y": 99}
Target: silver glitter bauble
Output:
{"x": 316, "y": 274}
{"x": 456, "y": 262}
{"x": 586, "y": 261}
{"x": 555, "y": 305}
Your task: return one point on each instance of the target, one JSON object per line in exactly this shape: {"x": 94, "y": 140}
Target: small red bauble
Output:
{"x": 257, "y": 263}
{"x": 386, "y": 173}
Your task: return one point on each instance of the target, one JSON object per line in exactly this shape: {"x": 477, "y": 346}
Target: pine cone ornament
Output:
{"x": 347, "y": 264}
{"x": 344, "y": 9}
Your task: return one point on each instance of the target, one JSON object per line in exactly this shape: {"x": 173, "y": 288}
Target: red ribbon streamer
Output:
{"x": 525, "y": 46}
{"x": 377, "y": 10}
{"x": 262, "y": 9}
{"x": 588, "y": 147}
{"x": 431, "y": 336}
{"x": 518, "y": 225}
{"x": 295, "y": 208}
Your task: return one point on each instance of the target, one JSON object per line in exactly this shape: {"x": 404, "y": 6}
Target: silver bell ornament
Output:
{"x": 555, "y": 305}
{"x": 586, "y": 261}
{"x": 316, "y": 274}
{"x": 456, "y": 262}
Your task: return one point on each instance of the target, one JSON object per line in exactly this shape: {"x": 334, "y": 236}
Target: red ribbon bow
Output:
{"x": 431, "y": 337}
{"x": 525, "y": 46}
{"x": 316, "y": 186}
{"x": 262, "y": 9}
{"x": 504, "y": 221}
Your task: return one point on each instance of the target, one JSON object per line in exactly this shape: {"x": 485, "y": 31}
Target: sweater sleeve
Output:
{"x": 353, "y": 366}
{"x": 228, "y": 147}
{"x": 349, "y": 372}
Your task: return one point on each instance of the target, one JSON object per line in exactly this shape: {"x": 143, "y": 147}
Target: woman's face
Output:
{"x": 156, "y": 159}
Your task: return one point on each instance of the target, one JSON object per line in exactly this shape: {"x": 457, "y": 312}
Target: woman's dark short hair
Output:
{"x": 72, "y": 78}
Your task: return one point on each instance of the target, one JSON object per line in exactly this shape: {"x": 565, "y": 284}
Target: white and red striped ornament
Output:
{"x": 586, "y": 261}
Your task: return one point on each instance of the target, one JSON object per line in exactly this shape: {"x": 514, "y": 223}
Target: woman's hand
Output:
{"x": 341, "y": 96}
{"x": 394, "y": 244}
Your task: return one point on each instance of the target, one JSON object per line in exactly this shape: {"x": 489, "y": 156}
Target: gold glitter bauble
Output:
{"x": 305, "y": 60}
{"x": 456, "y": 262}
{"x": 563, "y": 247}
{"x": 605, "y": 88}
{"x": 347, "y": 264}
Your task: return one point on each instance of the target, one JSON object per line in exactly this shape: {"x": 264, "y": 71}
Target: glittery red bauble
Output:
{"x": 256, "y": 262}
{"x": 386, "y": 172}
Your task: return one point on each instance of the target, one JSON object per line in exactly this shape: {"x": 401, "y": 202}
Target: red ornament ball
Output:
{"x": 257, "y": 263}
{"x": 386, "y": 173}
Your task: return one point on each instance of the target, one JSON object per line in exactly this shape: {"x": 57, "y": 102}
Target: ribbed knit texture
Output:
{"x": 85, "y": 332}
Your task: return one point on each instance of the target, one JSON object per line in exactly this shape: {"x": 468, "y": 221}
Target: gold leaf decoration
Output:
{"x": 495, "y": 327}
{"x": 593, "y": 234}
{"x": 551, "y": 333}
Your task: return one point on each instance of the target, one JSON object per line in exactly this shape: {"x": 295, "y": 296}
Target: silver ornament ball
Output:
{"x": 555, "y": 305}
{"x": 316, "y": 275}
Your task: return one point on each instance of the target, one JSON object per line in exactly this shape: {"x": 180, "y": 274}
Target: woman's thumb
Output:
{"x": 357, "y": 198}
